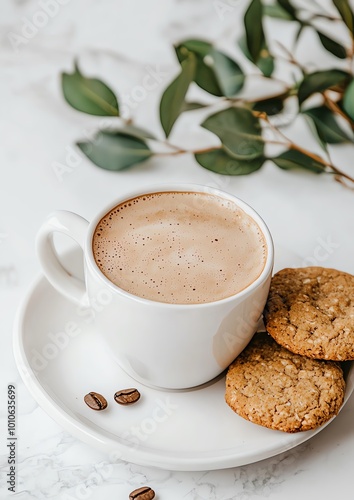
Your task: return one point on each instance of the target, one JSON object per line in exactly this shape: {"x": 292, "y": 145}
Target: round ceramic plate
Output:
{"x": 61, "y": 358}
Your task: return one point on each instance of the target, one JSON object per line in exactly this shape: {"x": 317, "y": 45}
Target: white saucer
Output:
{"x": 189, "y": 430}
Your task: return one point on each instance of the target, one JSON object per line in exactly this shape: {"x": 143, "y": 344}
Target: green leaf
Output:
{"x": 135, "y": 131}
{"x": 115, "y": 150}
{"x": 216, "y": 73}
{"x": 319, "y": 81}
{"x": 348, "y": 100}
{"x": 254, "y": 29}
{"x": 255, "y": 38}
{"x": 326, "y": 125}
{"x": 88, "y": 95}
{"x": 345, "y": 12}
{"x": 191, "y": 106}
{"x": 288, "y": 7}
{"x": 173, "y": 99}
{"x": 299, "y": 32}
{"x": 294, "y": 159}
{"x": 271, "y": 106}
{"x": 239, "y": 131}
{"x": 323, "y": 144}
{"x": 340, "y": 105}
{"x": 222, "y": 163}
{"x": 277, "y": 12}
{"x": 265, "y": 60}
{"x": 266, "y": 63}
{"x": 333, "y": 47}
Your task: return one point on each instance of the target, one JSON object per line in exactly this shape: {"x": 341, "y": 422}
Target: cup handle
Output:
{"x": 76, "y": 227}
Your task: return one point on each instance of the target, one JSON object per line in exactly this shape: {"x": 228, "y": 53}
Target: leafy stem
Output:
{"x": 333, "y": 106}
{"x": 293, "y": 146}
{"x": 237, "y": 120}
{"x": 290, "y": 58}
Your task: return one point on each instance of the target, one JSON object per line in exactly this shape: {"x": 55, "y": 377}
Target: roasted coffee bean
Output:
{"x": 95, "y": 401}
{"x": 127, "y": 396}
{"x": 144, "y": 493}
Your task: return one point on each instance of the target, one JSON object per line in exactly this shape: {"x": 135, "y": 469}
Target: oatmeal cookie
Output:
{"x": 271, "y": 386}
{"x": 310, "y": 311}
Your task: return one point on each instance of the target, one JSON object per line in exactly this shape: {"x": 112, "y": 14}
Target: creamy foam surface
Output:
{"x": 179, "y": 247}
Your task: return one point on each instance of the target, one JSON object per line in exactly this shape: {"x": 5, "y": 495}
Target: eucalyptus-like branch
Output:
{"x": 333, "y": 106}
{"x": 291, "y": 145}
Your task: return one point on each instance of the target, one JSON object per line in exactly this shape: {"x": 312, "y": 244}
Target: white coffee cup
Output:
{"x": 171, "y": 346}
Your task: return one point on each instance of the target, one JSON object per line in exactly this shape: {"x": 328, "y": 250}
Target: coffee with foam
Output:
{"x": 179, "y": 247}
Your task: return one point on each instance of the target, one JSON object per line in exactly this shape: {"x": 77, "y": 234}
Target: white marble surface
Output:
{"x": 122, "y": 41}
